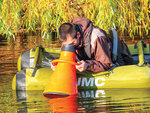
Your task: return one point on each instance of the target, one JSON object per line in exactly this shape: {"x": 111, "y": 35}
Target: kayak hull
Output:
{"x": 131, "y": 76}
{"x": 34, "y": 71}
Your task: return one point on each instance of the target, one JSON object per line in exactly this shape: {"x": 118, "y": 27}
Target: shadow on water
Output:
{"x": 88, "y": 101}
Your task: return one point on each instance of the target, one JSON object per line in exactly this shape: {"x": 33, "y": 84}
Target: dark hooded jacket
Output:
{"x": 94, "y": 47}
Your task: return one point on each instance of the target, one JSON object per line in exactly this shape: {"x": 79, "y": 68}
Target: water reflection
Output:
{"x": 88, "y": 101}
{"x": 115, "y": 100}
{"x": 34, "y": 101}
{"x": 30, "y": 102}
{"x": 63, "y": 105}
{"x": 9, "y": 52}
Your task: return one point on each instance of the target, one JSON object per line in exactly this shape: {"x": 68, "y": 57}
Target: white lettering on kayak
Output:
{"x": 87, "y": 83}
{"x": 84, "y": 81}
{"x": 97, "y": 81}
{"x": 79, "y": 81}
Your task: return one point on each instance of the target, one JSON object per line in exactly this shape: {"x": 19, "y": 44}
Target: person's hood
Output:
{"x": 86, "y": 25}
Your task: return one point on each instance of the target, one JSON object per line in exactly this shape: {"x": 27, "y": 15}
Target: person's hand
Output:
{"x": 82, "y": 66}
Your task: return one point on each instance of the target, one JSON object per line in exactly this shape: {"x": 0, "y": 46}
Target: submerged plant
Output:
{"x": 129, "y": 17}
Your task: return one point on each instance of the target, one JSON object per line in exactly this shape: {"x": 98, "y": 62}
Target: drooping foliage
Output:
{"x": 127, "y": 16}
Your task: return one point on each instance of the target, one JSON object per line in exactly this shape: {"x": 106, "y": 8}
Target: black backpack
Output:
{"x": 120, "y": 52}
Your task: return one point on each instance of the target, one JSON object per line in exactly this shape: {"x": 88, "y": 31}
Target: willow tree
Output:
{"x": 129, "y": 17}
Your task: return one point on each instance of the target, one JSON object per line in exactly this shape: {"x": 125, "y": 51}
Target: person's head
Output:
{"x": 69, "y": 34}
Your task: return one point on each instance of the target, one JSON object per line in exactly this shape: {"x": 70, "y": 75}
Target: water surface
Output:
{"x": 88, "y": 101}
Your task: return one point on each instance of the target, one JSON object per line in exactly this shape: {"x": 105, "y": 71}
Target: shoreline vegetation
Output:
{"x": 131, "y": 18}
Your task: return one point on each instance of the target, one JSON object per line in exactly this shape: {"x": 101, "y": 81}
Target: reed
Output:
{"x": 129, "y": 17}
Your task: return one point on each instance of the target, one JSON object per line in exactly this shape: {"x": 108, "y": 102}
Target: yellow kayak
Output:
{"x": 34, "y": 72}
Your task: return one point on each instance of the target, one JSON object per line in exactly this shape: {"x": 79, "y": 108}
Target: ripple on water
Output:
{"x": 88, "y": 101}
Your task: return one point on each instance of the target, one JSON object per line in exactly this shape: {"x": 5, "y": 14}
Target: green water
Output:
{"x": 90, "y": 101}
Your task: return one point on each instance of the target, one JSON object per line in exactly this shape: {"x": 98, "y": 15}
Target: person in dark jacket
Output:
{"x": 92, "y": 43}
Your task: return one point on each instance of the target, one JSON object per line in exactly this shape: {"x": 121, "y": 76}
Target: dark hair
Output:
{"x": 67, "y": 28}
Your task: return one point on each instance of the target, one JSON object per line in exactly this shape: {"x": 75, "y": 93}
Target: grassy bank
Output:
{"x": 129, "y": 17}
